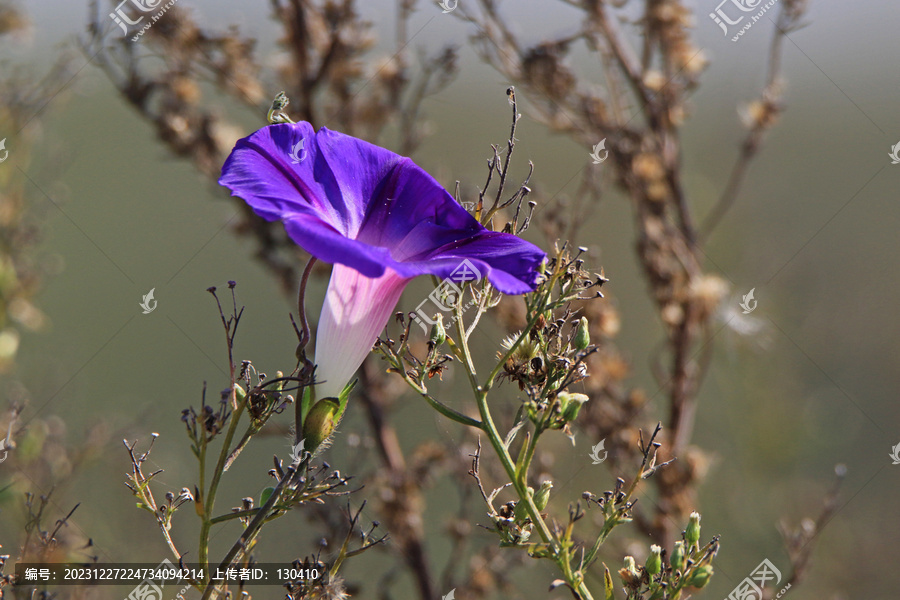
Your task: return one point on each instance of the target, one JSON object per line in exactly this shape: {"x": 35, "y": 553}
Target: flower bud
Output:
{"x": 319, "y": 423}
{"x": 438, "y": 333}
{"x": 542, "y": 496}
{"x": 582, "y": 335}
{"x": 692, "y": 533}
{"x": 654, "y": 561}
{"x": 630, "y": 575}
{"x": 677, "y": 559}
{"x": 540, "y": 499}
{"x": 570, "y": 405}
{"x": 701, "y": 576}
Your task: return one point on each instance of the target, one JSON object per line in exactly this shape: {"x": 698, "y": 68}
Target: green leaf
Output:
{"x": 520, "y": 461}
{"x": 607, "y": 583}
{"x": 265, "y": 495}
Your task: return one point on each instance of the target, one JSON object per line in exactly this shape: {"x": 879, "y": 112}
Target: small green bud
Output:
{"x": 319, "y": 423}
{"x": 438, "y": 333}
{"x": 280, "y": 385}
{"x": 582, "y": 335}
{"x": 654, "y": 561}
{"x": 570, "y": 405}
{"x": 692, "y": 533}
{"x": 678, "y": 556}
{"x": 540, "y": 499}
{"x": 701, "y": 576}
{"x": 542, "y": 496}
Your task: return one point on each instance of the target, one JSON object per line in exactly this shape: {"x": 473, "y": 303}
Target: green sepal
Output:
{"x": 701, "y": 576}
{"x": 342, "y": 399}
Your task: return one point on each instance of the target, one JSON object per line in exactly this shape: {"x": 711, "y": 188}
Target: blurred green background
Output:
{"x": 814, "y": 232}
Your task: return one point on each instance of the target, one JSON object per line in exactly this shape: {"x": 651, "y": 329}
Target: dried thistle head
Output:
{"x": 524, "y": 352}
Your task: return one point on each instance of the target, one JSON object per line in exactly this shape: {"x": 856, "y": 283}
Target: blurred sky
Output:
{"x": 814, "y": 232}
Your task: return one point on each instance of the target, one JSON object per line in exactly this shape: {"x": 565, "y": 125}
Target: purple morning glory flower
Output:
{"x": 379, "y": 218}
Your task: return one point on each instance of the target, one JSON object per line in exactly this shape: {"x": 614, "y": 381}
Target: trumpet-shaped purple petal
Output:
{"x": 349, "y": 202}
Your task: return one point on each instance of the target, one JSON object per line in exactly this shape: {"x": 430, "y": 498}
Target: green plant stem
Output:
{"x": 203, "y": 549}
{"x": 529, "y": 454}
{"x": 439, "y": 406}
{"x": 487, "y": 425}
{"x": 611, "y": 523}
{"x": 561, "y": 558}
{"x": 239, "y": 397}
{"x": 246, "y": 513}
{"x": 252, "y": 528}
{"x": 518, "y": 480}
